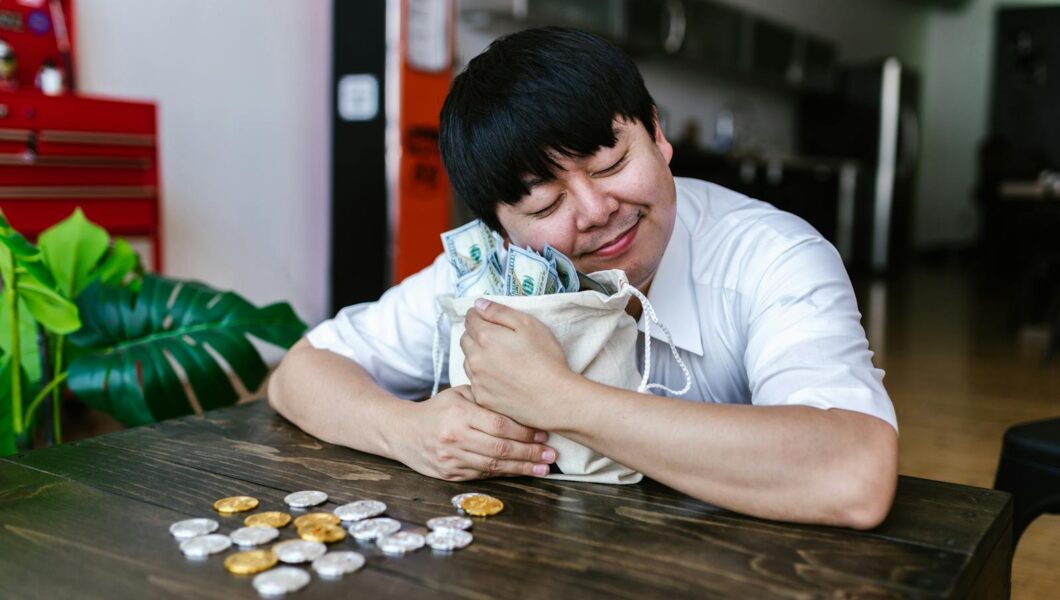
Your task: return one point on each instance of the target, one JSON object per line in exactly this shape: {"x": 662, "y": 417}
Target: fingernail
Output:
{"x": 548, "y": 455}
{"x": 540, "y": 436}
{"x": 540, "y": 470}
{"x": 482, "y": 304}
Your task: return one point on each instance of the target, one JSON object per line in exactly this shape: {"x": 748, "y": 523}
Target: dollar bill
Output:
{"x": 564, "y": 267}
{"x": 486, "y": 280}
{"x": 468, "y": 246}
{"x": 475, "y": 256}
{"x": 528, "y": 274}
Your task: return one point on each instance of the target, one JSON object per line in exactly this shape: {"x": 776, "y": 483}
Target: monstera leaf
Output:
{"x": 156, "y": 353}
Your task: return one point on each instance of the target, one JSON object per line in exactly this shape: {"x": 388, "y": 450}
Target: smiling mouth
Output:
{"x": 619, "y": 244}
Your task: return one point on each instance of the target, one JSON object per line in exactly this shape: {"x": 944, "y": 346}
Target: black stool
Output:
{"x": 1029, "y": 469}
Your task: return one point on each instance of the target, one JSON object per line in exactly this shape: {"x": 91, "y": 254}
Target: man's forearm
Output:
{"x": 334, "y": 399}
{"x": 791, "y": 463}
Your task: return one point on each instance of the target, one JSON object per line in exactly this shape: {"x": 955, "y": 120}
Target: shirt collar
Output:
{"x": 673, "y": 293}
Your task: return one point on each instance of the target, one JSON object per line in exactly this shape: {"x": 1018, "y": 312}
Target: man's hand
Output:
{"x": 513, "y": 362}
{"x": 455, "y": 439}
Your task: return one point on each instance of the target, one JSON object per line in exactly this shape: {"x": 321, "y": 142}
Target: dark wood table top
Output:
{"x": 90, "y": 519}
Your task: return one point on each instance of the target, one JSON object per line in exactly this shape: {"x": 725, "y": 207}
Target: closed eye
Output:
{"x": 544, "y": 212}
{"x": 613, "y": 168}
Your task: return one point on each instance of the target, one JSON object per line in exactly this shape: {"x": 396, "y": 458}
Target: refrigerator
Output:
{"x": 871, "y": 117}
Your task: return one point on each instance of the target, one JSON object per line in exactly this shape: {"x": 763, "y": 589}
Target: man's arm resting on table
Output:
{"x": 334, "y": 399}
{"x": 791, "y": 463}
{"x": 448, "y": 437}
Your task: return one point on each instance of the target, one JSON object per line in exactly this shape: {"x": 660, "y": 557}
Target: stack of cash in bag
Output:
{"x": 475, "y": 254}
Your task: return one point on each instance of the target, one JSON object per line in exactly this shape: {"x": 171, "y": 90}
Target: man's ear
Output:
{"x": 661, "y": 142}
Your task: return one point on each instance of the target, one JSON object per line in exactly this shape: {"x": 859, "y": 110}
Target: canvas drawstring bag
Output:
{"x": 599, "y": 340}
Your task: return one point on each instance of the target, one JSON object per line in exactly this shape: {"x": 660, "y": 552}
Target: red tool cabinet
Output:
{"x": 61, "y": 152}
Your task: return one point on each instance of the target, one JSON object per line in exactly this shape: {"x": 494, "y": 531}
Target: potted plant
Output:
{"x": 78, "y": 313}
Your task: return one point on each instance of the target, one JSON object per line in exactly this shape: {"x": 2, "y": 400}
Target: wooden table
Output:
{"x": 90, "y": 520}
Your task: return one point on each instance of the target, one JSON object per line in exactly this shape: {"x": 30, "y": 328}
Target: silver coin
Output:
{"x": 371, "y": 529}
{"x": 299, "y": 551}
{"x": 337, "y": 564}
{"x": 254, "y": 536}
{"x": 205, "y": 545}
{"x": 445, "y": 540}
{"x": 280, "y": 581}
{"x": 400, "y": 542}
{"x": 189, "y": 528}
{"x": 458, "y": 523}
{"x": 459, "y": 498}
{"x": 305, "y": 499}
{"x": 360, "y": 510}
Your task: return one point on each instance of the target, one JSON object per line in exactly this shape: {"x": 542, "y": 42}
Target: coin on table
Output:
{"x": 305, "y": 499}
{"x": 482, "y": 505}
{"x": 360, "y": 510}
{"x": 459, "y": 499}
{"x": 459, "y": 523}
{"x": 400, "y": 542}
{"x": 235, "y": 504}
{"x": 255, "y": 535}
{"x": 316, "y": 518}
{"x": 205, "y": 545}
{"x": 337, "y": 564}
{"x": 371, "y": 529}
{"x": 445, "y": 540}
{"x": 270, "y": 518}
{"x": 278, "y": 582}
{"x": 298, "y": 551}
{"x": 322, "y": 533}
{"x": 189, "y": 528}
{"x": 250, "y": 562}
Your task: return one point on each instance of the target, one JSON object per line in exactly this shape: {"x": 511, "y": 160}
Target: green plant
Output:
{"x": 84, "y": 317}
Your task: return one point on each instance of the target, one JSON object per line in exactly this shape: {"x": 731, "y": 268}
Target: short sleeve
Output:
{"x": 805, "y": 344}
{"x": 392, "y": 338}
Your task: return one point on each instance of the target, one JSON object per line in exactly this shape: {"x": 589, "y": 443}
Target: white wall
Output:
{"x": 242, "y": 93}
{"x": 958, "y": 69}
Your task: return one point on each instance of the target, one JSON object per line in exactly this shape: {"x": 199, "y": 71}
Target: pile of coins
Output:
{"x": 361, "y": 520}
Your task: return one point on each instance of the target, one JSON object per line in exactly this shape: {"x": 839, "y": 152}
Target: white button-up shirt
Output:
{"x": 759, "y": 305}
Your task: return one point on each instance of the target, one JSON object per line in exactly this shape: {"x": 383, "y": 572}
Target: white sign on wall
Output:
{"x": 358, "y": 97}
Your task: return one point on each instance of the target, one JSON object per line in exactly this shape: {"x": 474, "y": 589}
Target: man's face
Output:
{"x": 614, "y": 209}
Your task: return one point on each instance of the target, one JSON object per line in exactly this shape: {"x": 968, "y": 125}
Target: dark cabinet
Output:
{"x": 818, "y": 63}
{"x": 714, "y": 35}
{"x": 721, "y": 38}
{"x": 772, "y": 51}
{"x": 703, "y": 34}
{"x": 604, "y": 17}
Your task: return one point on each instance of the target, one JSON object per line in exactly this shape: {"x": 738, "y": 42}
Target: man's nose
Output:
{"x": 595, "y": 207}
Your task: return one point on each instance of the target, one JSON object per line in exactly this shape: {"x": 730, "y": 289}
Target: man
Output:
{"x": 551, "y": 137}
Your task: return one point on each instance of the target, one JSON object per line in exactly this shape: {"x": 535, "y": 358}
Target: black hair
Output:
{"x": 529, "y": 94}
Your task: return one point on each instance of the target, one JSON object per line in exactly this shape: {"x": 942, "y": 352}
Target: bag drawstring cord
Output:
{"x": 649, "y": 311}
{"x": 436, "y": 351}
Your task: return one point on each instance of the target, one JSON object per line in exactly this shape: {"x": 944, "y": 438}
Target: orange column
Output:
{"x": 422, "y": 199}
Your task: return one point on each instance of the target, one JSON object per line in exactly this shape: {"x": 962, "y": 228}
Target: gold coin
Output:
{"x": 322, "y": 533}
{"x": 272, "y": 518}
{"x": 481, "y": 505}
{"x": 235, "y": 504}
{"x": 317, "y": 518}
{"x": 250, "y": 562}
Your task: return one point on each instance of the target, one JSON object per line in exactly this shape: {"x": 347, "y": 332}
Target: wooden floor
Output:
{"x": 959, "y": 378}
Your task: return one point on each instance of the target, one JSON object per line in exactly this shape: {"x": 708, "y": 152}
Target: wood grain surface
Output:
{"x": 91, "y": 518}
